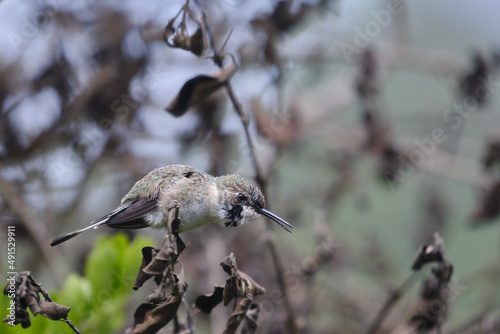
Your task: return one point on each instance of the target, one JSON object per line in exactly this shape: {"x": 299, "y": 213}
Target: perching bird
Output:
{"x": 229, "y": 200}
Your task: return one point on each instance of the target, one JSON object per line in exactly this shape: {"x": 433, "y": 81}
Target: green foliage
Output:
{"x": 98, "y": 299}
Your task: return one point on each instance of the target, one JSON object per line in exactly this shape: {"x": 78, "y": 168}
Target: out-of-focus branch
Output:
{"x": 454, "y": 167}
{"x": 391, "y": 300}
{"x": 33, "y": 224}
{"x": 261, "y": 180}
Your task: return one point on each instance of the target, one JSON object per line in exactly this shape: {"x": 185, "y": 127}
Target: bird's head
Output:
{"x": 241, "y": 202}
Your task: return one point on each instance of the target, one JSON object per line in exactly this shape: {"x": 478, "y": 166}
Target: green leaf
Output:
{"x": 99, "y": 299}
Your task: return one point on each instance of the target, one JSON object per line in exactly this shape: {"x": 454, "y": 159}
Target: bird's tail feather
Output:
{"x": 73, "y": 234}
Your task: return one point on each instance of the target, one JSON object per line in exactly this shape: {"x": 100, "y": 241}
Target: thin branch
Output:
{"x": 70, "y": 324}
{"x": 351, "y": 140}
{"x": 391, "y": 301}
{"x": 261, "y": 180}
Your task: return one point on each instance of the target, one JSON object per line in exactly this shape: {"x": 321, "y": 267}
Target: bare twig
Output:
{"x": 391, "y": 301}
{"x": 261, "y": 180}
{"x": 70, "y": 324}
{"x": 439, "y": 162}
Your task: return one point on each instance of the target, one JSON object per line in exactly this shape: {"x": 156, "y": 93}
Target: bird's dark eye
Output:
{"x": 242, "y": 197}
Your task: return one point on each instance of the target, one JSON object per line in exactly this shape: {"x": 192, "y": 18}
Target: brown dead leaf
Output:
{"x": 492, "y": 153}
{"x": 283, "y": 17}
{"x": 489, "y": 206}
{"x": 472, "y": 84}
{"x": 238, "y": 285}
{"x": 154, "y": 263}
{"x": 196, "y": 43}
{"x": 428, "y": 253}
{"x": 250, "y": 323}
{"x": 147, "y": 256}
{"x": 150, "y": 317}
{"x": 53, "y": 310}
{"x": 27, "y": 295}
{"x": 199, "y": 88}
{"x": 206, "y": 303}
{"x": 431, "y": 308}
{"x": 238, "y": 315}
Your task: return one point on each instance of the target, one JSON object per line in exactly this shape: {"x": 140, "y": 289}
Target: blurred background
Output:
{"x": 375, "y": 125}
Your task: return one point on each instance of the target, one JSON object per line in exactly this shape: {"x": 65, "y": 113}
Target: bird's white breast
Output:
{"x": 198, "y": 206}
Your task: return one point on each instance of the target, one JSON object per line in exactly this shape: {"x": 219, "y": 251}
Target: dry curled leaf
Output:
{"x": 238, "y": 285}
{"x": 492, "y": 154}
{"x": 473, "y": 84}
{"x": 154, "y": 263}
{"x": 378, "y": 131}
{"x": 432, "y": 305}
{"x": 390, "y": 164}
{"x": 192, "y": 93}
{"x": 53, "y": 311}
{"x": 430, "y": 308}
{"x": 430, "y": 253}
{"x": 367, "y": 79}
{"x": 283, "y": 17}
{"x": 206, "y": 303}
{"x": 151, "y": 317}
{"x": 489, "y": 206}
{"x": 250, "y": 323}
{"x": 196, "y": 43}
{"x": 238, "y": 315}
{"x": 199, "y": 88}
{"x": 147, "y": 256}
{"x": 26, "y": 294}
{"x": 162, "y": 303}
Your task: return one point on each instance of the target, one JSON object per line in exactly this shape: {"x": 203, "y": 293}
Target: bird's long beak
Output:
{"x": 281, "y": 222}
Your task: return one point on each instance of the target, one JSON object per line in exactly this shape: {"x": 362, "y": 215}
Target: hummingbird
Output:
{"x": 229, "y": 200}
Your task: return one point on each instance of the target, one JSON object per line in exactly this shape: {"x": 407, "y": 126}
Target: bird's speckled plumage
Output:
{"x": 229, "y": 200}
{"x": 163, "y": 178}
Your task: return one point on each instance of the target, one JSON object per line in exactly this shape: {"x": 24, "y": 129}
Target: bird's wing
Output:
{"x": 132, "y": 216}
{"x": 161, "y": 180}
